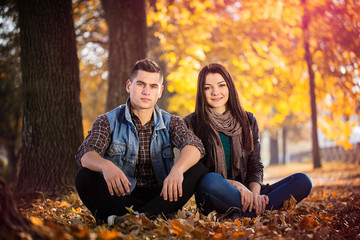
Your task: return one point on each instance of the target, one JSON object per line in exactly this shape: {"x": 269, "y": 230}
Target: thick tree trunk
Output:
{"x": 309, "y": 62}
{"x": 274, "y": 148}
{"x": 13, "y": 159}
{"x": 126, "y": 20}
{"x": 52, "y": 126}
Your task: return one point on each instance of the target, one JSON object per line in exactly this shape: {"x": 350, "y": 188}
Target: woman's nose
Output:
{"x": 215, "y": 91}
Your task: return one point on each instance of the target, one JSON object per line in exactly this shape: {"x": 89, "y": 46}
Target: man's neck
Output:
{"x": 143, "y": 114}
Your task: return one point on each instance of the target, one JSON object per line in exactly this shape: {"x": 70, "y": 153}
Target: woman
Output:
{"x": 231, "y": 139}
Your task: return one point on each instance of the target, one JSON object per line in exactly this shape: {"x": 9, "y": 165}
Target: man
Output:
{"x": 127, "y": 158}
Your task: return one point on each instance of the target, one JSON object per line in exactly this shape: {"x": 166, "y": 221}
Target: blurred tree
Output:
{"x": 126, "y": 21}
{"x": 92, "y": 44}
{"x": 10, "y": 100}
{"x": 335, "y": 45}
{"x": 264, "y": 50}
{"x": 52, "y": 128}
{"x": 311, "y": 74}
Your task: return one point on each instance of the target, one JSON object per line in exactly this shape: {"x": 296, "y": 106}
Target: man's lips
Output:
{"x": 145, "y": 99}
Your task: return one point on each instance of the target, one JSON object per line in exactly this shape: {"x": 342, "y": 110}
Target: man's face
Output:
{"x": 145, "y": 90}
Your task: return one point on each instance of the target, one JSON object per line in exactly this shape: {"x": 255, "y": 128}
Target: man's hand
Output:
{"x": 172, "y": 187}
{"x": 115, "y": 179}
{"x": 260, "y": 202}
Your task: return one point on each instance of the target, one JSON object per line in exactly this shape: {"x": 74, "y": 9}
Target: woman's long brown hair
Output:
{"x": 233, "y": 105}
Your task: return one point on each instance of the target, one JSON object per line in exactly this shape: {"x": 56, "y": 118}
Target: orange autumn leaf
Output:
{"x": 218, "y": 236}
{"x": 237, "y": 222}
{"x": 108, "y": 235}
{"x": 36, "y": 221}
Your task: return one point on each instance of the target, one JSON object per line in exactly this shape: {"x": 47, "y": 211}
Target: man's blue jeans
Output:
{"x": 216, "y": 193}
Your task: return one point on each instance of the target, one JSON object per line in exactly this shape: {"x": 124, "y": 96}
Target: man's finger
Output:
{"x": 126, "y": 185}
{"x": 170, "y": 192}
{"x": 119, "y": 188}
{"x": 165, "y": 192}
{"x": 180, "y": 190}
{"x": 175, "y": 192}
{"x": 110, "y": 189}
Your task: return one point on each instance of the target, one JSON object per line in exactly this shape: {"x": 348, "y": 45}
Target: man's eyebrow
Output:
{"x": 152, "y": 84}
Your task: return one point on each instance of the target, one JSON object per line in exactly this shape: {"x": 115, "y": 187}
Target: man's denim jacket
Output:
{"x": 124, "y": 145}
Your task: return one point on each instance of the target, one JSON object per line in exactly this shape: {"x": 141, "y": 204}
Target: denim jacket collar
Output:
{"x": 158, "y": 120}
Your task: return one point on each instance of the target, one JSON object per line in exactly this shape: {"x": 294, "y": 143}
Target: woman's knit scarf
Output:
{"x": 227, "y": 124}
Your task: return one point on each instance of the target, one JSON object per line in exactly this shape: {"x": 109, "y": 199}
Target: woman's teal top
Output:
{"x": 226, "y": 142}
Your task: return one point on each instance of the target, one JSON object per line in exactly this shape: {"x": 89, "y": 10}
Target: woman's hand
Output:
{"x": 260, "y": 202}
{"x": 247, "y": 197}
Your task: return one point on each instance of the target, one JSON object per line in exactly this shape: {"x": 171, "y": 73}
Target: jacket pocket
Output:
{"x": 167, "y": 152}
{"x": 116, "y": 148}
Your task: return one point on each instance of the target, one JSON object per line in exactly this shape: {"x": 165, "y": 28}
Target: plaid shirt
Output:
{"x": 99, "y": 139}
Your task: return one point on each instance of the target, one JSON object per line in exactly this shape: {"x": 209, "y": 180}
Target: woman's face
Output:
{"x": 216, "y": 92}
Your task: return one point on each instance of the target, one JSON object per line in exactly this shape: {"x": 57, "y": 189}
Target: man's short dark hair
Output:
{"x": 147, "y": 66}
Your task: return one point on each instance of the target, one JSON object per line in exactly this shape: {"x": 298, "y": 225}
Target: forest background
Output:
{"x": 295, "y": 63}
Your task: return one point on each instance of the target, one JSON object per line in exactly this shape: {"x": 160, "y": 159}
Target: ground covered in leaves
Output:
{"x": 332, "y": 211}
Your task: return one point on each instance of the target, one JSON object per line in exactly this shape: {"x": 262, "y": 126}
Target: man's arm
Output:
{"x": 113, "y": 175}
{"x": 89, "y": 156}
{"x": 191, "y": 150}
{"x": 189, "y": 156}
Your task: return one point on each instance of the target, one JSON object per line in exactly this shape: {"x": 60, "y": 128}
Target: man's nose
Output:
{"x": 146, "y": 90}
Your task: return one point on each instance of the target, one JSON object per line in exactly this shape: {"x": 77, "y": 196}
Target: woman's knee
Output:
{"x": 210, "y": 183}
{"x": 304, "y": 180}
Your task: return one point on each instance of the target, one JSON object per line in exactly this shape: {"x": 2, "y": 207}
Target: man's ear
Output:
{"x": 161, "y": 90}
{"x": 128, "y": 84}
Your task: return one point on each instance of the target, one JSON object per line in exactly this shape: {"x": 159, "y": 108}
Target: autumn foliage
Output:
{"x": 330, "y": 212}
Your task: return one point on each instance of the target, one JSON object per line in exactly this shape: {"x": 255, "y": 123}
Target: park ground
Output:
{"x": 331, "y": 211}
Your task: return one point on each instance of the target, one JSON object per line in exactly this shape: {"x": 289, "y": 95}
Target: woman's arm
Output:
{"x": 255, "y": 168}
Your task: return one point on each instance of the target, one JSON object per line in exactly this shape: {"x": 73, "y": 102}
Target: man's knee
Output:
{"x": 85, "y": 178}
{"x": 196, "y": 171}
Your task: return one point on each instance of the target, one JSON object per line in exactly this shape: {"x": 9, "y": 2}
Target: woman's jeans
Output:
{"x": 216, "y": 193}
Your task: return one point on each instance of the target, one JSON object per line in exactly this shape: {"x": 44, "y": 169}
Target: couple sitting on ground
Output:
{"x": 127, "y": 158}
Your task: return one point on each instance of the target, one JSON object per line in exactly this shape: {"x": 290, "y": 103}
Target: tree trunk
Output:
{"x": 13, "y": 160}
{"x": 274, "y": 148}
{"x": 12, "y": 224}
{"x": 126, "y": 20}
{"x": 284, "y": 132}
{"x": 308, "y": 59}
{"x": 52, "y": 125}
